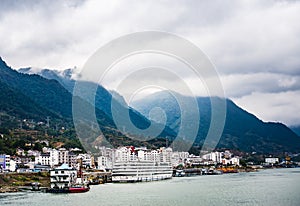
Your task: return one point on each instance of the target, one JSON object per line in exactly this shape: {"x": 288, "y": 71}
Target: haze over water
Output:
{"x": 267, "y": 187}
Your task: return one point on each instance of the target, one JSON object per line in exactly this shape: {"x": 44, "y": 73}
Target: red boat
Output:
{"x": 79, "y": 189}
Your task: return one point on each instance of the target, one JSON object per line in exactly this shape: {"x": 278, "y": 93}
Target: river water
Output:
{"x": 267, "y": 187}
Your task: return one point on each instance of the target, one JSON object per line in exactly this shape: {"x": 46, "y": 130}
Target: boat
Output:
{"x": 72, "y": 189}
{"x": 35, "y": 186}
{"x": 95, "y": 181}
{"x": 228, "y": 170}
{"x": 57, "y": 190}
{"x": 65, "y": 179}
{"x": 79, "y": 189}
{"x": 212, "y": 171}
{"x": 141, "y": 171}
{"x": 179, "y": 173}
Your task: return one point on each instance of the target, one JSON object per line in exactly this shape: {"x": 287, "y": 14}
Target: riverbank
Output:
{"x": 11, "y": 182}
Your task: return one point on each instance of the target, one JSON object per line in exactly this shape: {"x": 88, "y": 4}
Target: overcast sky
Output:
{"x": 254, "y": 45}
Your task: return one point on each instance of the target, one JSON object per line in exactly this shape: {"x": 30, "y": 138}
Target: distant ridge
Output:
{"x": 243, "y": 131}
{"x": 103, "y": 98}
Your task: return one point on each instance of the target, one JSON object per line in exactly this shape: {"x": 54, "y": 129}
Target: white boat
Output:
{"x": 141, "y": 171}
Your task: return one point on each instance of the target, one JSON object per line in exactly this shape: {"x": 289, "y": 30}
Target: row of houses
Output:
{"x": 224, "y": 158}
{"x": 48, "y": 158}
{"x": 124, "y": 154}
{"x": 54, "y": 157}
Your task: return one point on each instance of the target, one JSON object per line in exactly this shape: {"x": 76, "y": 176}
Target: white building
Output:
{"x": 43, "y": 159}
{"x": 54, "y": 156}
{"x": 213, "y": 156}
{"x": 271, "y": 160}
{"x": 63, "y": 156}
{"x": 62, "y": 177}
{"x": 144, "y": 154}
{"x": 49, "y": 157}
{"x": 12, "y": 165}
{"x": 104, "y": 163}
{"x": 72, "y": 160}
{"x": 86, "y": 159}
{"x": 33, "y": 153}
{"x": 194, "y": 159}
{"x": 165, "y": 154}
{"x": 106, "y": 152}
{"x": 125, "y": 154}
{"x": 231, "y": 161}
{"x": 221, "y": 157}
{"x": 179, "y": 158}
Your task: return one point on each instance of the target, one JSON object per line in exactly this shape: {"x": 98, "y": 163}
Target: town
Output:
{"x": 50, "y": 158}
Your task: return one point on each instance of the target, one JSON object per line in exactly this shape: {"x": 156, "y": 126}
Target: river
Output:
{"x": 267, "y": 187}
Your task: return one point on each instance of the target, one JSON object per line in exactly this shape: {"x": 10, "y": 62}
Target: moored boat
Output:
{"x": 141, "y": 171}
{"x": 79, "y": 189}
{"x": 72, "y": 189}
{"x": 64, "y": 179}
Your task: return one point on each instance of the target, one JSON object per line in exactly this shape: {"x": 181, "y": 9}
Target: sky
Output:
{"x": 254, "y": 45}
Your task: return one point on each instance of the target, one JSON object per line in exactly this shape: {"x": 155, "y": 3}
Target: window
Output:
{"x": 62, "y": 172}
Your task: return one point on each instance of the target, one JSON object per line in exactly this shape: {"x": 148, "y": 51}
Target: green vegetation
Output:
{"x": 24, "y": 179}
{"x": 25, "y": 103}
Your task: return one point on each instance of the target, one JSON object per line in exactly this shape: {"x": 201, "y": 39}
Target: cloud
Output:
{"x": 238, "y": 85}
{"x": 280, "y": 107}
{"x": 255, "y": 45}
{"x": 258, "y": 37}
{"x": 61, "y": 35}
{"x": 242, "y": 37}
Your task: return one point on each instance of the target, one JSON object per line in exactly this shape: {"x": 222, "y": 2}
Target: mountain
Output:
{"x": 63, "y": 77}
{"x": 242, "y": 131}
{"x": 52, "y": 96}
{"x": 47, "y": 93}
{"x": 103, "y": 100}
{"x": 35, "y": 97}
{"x": 15, "y": 103}
{"x": 296, "y": 129}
